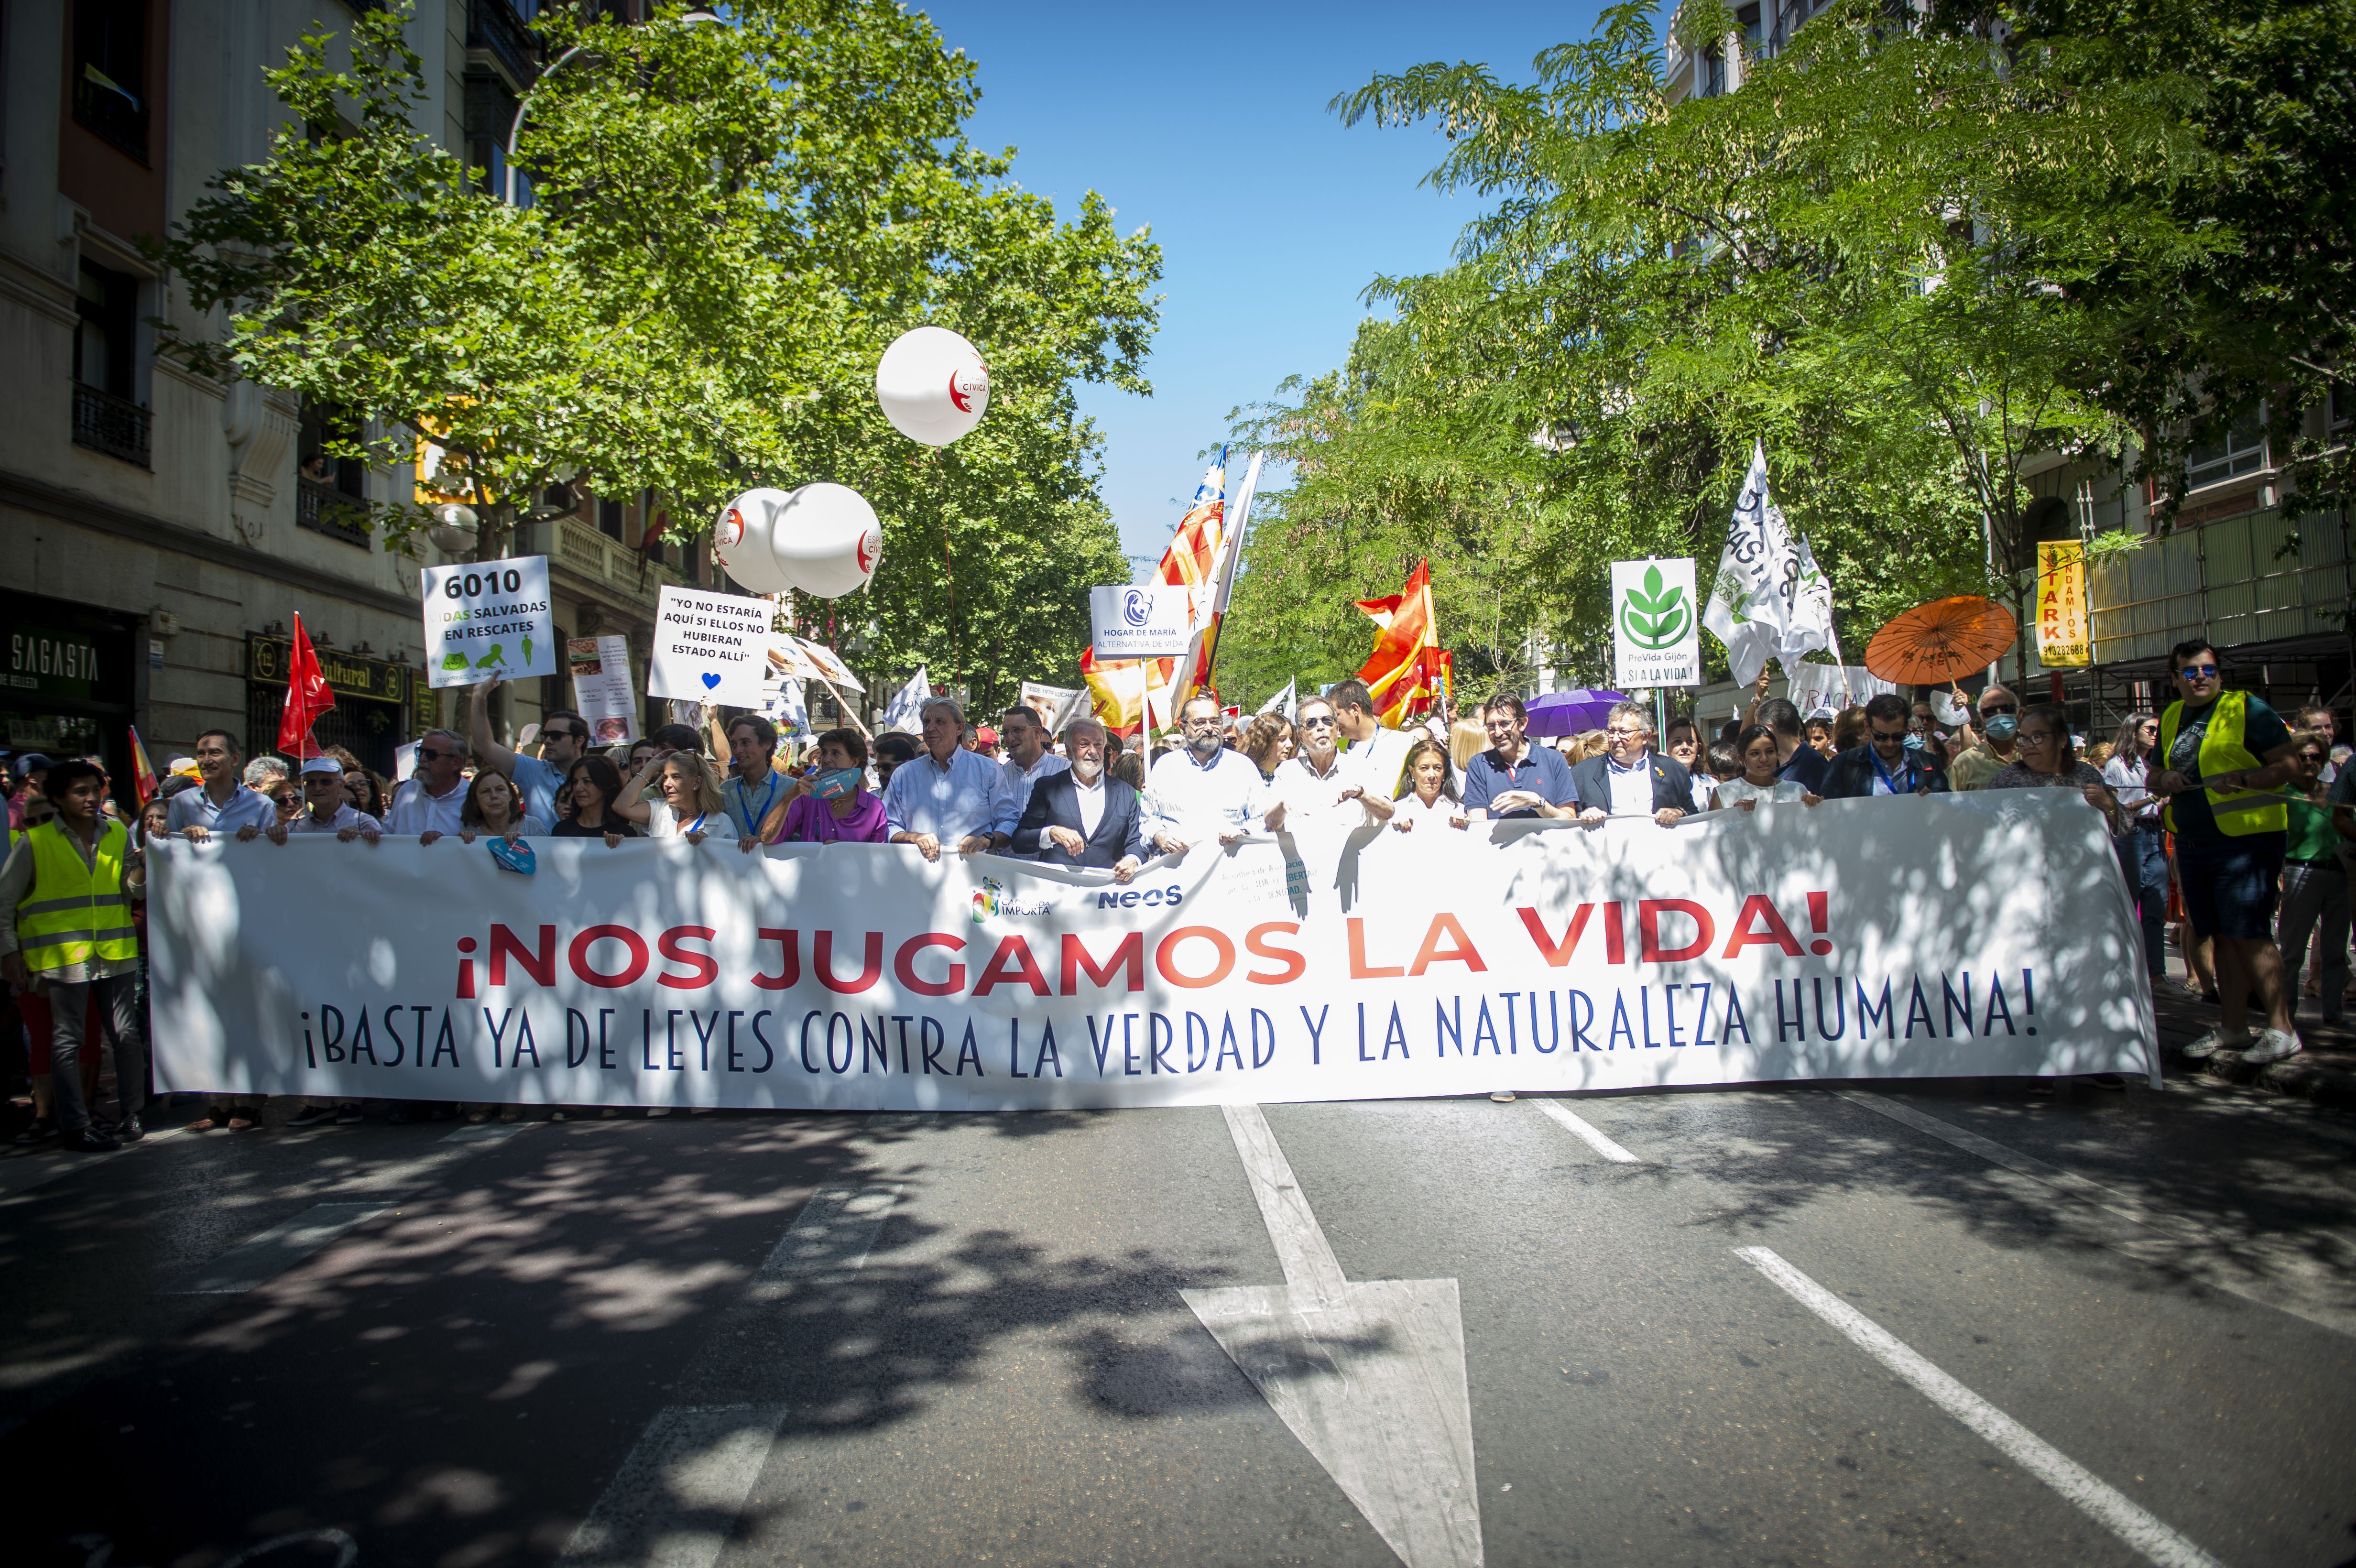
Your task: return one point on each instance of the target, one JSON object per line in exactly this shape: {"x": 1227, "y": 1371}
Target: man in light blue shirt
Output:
{"x": 949, "y": 795}
{"x": 224, "y": 804}
{"x": 563, "y": 740}
{"x": 1027, "y": 759}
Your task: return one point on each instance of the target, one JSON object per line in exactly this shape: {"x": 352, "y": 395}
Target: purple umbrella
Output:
{"x": 1571, "y": 712}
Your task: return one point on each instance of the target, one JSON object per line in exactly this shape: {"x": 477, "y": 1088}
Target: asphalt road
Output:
{"x": 1924, "y": 1324}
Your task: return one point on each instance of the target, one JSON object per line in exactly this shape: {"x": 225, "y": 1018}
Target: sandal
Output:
{"x": 242, "y": 1123}
{"x": 511, "y": 1113}
{"x": 201, "y": 1124}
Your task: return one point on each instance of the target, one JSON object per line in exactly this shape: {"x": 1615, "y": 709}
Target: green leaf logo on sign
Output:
{"x": 1654, "y": 617}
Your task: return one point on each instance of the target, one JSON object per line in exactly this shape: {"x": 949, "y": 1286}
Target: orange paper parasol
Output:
{"x": 1932, "y": 644}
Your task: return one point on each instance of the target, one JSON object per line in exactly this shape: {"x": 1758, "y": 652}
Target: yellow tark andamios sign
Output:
{"x": 2065, "y": 632}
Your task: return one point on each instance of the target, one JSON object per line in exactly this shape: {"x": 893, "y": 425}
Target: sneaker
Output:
{"x": 313, "y": 1117}
{"x": 2273, "y": 1045}
{"x": 2215, "y": 1041}
{"x": 40, "y": 1132}
{"x": 349, "y": 1117}
{"x": 89, "y": 1140}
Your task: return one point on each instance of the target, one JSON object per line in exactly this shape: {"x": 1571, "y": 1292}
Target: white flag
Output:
{"x": 906, "y": 708}
{"x": 1747, "y": 609}
{"x": 1809, "y": 625}
{"x": 1282, "y": 701}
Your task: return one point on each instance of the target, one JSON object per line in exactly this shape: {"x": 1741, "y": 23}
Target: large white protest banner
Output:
{"x": 487, "y": 618}
{"x": 1851, "y": 939}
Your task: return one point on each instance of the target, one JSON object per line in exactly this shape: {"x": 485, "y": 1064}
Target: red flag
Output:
{"x": 142, "y": 772}
{"x": 308, "y": 697}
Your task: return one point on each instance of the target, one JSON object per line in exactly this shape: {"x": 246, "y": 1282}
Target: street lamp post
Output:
{"x": 697, "y": 17}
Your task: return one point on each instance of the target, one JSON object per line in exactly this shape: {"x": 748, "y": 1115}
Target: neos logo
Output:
{"x": 1137, "y": 607}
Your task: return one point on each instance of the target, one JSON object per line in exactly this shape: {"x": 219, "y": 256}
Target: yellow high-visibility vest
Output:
{"x": 74, "y": 912}
{"x": 2222, "y": 751}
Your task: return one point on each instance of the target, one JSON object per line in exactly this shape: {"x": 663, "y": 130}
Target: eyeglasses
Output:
{"x": 2198, "y": 672}
{"x": 2152, "y": 728}
{"x": 2034, "y": 737}
{"x": 426, "y": 756}
{"x": 566, "y": 734}
{"x": 1623, "y": 734}
{"x": 1323, "y": 722}
{"x": 1892, "y": 736}
{"x": 1209, "y": 723}
{"x": 1988, "y": 708}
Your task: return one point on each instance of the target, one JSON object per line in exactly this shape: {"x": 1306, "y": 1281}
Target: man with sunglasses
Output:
{"x": 1997, "y": 747}
{"x": 563, "y": 740}
{"x": 2226, "y": 756}
{"x": 432, "y": 799}
{"x": 1894, "y": 760}
{"x": 1315, "y": 788}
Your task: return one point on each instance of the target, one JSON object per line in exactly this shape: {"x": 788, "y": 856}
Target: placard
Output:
{"x": 487, "y": 618}
{"x": 709, "y": 647}
{"x": 2065, "y": 638}
{"x": 1655, "y": 636}
{"x": 603, "y": 692}
{"x": 1140, "y": 621}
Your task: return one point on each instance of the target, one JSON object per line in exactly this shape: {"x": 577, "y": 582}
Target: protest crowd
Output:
{"x": 2232, "y": 824}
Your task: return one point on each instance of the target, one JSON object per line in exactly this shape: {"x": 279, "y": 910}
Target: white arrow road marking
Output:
{"x": 1369, "y": 1376}
{"x": 2108, "y": 1507}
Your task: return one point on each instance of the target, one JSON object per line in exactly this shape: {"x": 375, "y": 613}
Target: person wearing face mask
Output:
{"x": 832, "y": 804}
{"x": 1893, "y": 761}
{"x": 1202, "y": 791}
{"x": 1078, "y": 817}
{"x": 1998, "y": 745}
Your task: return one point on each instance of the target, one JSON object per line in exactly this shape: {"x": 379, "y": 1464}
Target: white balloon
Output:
{"x": 933, "y": 385}
{"x": 827, "y": 540}
{"x": 741, "y": 539}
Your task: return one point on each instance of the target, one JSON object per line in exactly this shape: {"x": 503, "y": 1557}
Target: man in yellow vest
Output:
{"x": 65, "y": 925}
{"x": 2226, "y": 755}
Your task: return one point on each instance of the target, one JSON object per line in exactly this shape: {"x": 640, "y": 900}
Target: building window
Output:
{"x": 490, "y": 115}
{"x": 2243, "y": 450}
{"x": 331, "y": 490}
{"x": 1713, "y": 72}
{"x": 107, "y": 415}
{"x": 609, "y": 519}
{"x": 110, "y": 73}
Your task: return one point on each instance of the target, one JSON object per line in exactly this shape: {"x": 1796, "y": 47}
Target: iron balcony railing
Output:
{"x": 493, "y": 25}
{"x": 115, "y": 426}
{"x": 324, "y": 509}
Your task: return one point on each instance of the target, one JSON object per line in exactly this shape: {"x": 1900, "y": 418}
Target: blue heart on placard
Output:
{"x": 709, "y": 682}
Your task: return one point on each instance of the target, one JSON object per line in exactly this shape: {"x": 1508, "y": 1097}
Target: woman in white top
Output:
{"x": 1756, "y": 746}
{"x": 492, "y": 808}
{"x": 692, "y": 806}
{"x": 1426, "y": 792}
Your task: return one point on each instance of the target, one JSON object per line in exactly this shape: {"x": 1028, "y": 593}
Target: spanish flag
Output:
{"x": 142, "y": 772}
{"x": 1408, "y": 669}
{"x": 1116, "y": 691}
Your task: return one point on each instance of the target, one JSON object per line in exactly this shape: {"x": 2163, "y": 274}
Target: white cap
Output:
{"x": 323, "y": 765}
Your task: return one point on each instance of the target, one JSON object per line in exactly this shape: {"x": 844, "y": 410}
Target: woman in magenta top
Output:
{"x": 833, "y": 806}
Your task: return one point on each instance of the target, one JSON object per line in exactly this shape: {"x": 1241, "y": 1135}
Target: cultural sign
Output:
{"x": 603, "y": 692}
{"x": 2065, "y": 634}
{"x": 1655, "y": 639}
{"x": 488, "y": 618}
{"x": 709, "y": 647}
{"x": 1852, "y": 939}
{"x": 1141, "y": 621}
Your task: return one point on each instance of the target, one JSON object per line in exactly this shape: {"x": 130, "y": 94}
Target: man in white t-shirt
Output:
{"x": 1028, "y": 757}
{"x": 1317, "y": 789}
{"x": 431, "y": 801}
{"x": 1202, "y": 791}
{"x": 1376, "y": 755}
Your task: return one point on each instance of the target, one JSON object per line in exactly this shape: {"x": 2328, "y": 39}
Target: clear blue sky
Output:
{"x": 1208, "y": 123}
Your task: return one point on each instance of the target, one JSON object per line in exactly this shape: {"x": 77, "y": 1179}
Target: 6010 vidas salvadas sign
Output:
{"x": 488, "y": 618}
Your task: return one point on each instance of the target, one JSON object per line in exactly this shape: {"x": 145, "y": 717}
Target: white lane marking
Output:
{"x": 1994, "y": 1153}
{"x": 1586, "y": 1132}
{"x": 1369, "y": 1376}
{"x": 2121, "y": 1515}
{"x": 1311, "y": 1269}
{"x": 485, "y": 1133}
{"x": 27, "y": 1171}
{"x": 675, "y": 1501}
{"x": 836, "y": 1229}
{"x": 263, "y": 1257}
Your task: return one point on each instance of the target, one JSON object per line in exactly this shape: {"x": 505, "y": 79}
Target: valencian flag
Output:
{"x": 1202, "y": 655}
{"x": 142, "y": 772}
{"x": 308, "y": 697}
{"x": 1192, "y": 562}
{"x": 1408, "y": 670}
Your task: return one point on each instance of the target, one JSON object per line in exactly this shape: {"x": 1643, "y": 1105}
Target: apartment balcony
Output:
{"x": 115, "y": 426}
{"x": 577, "y": 546}
{"x": 493, "y": 29}
{"x": 324, "y": 509}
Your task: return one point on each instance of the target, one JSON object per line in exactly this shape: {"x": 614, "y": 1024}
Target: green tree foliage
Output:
{"x": 727, "y": 225}
{"x": 1869, "y": 257}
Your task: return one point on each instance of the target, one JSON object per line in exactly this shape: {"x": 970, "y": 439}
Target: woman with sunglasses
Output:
{"x": 2142, "y": 854}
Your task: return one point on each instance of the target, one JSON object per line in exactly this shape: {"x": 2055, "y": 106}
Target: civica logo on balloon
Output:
{"x": 731, "y": 531}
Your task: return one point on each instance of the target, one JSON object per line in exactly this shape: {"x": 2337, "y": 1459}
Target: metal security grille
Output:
{"x": 369, "y": 731}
